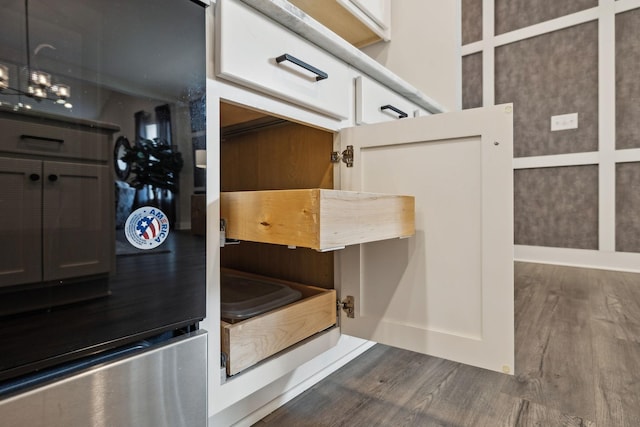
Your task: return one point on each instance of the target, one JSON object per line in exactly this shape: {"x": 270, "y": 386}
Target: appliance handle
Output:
{"x": 401, "y": 114}
{"x": 320, "y": 75}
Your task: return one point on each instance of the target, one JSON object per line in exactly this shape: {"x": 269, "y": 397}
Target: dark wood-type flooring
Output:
{"x": 577, "y": 364}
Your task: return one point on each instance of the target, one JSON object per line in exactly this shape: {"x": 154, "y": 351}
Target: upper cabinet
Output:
{"x": 360, "y": 22}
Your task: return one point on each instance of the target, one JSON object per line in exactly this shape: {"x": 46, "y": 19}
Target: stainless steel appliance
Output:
{"x": 160, "y": 387}
{"x": 101, "y": 110}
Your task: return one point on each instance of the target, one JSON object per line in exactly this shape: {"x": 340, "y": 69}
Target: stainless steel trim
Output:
{"x": 163, "y": 386}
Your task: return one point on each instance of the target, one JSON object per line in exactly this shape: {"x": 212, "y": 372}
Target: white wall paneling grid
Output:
{"x": 606, "y": 157}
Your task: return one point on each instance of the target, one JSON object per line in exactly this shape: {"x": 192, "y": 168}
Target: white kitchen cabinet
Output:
{"x": 376, "y": 103}
{"x": 446, "y": 291}
{"x": 420, "y": 112}
{"x": 376, "y": 14}
{"x": 360, "y": 22}
{"x": 256, "y": 52}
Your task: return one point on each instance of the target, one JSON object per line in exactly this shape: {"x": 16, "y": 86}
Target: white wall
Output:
{"x": 424, "y": 47}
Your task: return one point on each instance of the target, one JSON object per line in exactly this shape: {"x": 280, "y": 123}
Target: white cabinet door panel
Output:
{"x": 448, "y": 290}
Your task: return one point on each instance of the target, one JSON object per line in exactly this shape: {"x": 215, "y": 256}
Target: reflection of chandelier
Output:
{"x": 39, "y": 84}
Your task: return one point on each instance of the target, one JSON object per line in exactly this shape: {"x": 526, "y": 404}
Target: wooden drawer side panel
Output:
{"x": 353, "y": 218}
{"x": 287, "y": 217}
{"x": 248, "y": 342}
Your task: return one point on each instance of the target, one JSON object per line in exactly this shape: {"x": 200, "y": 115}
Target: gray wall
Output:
{"x": 515, "y": 14}
{"x": 628, "y": 79}
{"x": 557, "y": 73}
{"x": 563, "y": 78}
{"x": 557, "y": 207}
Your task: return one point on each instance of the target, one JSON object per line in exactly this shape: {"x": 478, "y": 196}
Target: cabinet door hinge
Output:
{"x": 346, "y": 156}
{"x": 348, "y": 305}
{"x": 223, "y": 235}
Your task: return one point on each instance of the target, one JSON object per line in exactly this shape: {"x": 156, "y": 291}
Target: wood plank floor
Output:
{"x": 577, "y": 364}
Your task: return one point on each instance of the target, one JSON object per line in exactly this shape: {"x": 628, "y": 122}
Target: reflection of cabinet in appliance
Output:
{"x": 56, "y": 210}
{"x": 53, "y": 218}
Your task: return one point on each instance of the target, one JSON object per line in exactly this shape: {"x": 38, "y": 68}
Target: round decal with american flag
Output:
{"x": 146, "y": 227}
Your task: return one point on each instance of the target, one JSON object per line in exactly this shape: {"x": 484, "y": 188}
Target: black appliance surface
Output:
{"x": 171, "y": 297}
{"x": 136, "y": 74}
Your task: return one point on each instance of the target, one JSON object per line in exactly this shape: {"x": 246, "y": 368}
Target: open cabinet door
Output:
{"x": 448, "y": 290}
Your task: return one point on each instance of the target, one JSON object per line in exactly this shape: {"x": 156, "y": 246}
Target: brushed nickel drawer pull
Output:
{"x": 320, "y": 75}
{"x": 42, "y": 138}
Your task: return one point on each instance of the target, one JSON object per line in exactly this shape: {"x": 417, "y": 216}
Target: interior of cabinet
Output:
{"x": 266, "y": 153}
{"x": 261, "y": 152}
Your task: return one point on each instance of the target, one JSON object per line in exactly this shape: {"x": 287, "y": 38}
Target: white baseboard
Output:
{"x": 601, "y": 260}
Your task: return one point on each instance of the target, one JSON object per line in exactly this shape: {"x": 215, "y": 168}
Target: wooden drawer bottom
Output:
{"x": 249, "y": 341}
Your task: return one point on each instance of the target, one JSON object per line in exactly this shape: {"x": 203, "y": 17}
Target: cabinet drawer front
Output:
{"x": 372, "y": 98}
{"x": 47, "y": 140}
{"x": 248, "y": 46}
{"x": 248, "y": 342}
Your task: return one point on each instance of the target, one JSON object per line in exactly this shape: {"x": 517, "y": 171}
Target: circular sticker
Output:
{"x": 146, "y": 227}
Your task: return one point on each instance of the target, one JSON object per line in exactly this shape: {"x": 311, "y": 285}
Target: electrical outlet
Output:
{"x": 564, "y": 122}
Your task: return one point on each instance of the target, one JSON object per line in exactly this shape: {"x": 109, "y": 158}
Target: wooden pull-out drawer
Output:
{"x": 316, "y": 218}
{"x": 251, "y": 52}
{"x": 249, "y": 341}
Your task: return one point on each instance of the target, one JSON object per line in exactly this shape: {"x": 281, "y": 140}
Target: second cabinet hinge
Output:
{"x": 346, "y": 156}
{"x": 348, "y": 305}
{"x": 223, "y": 235}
